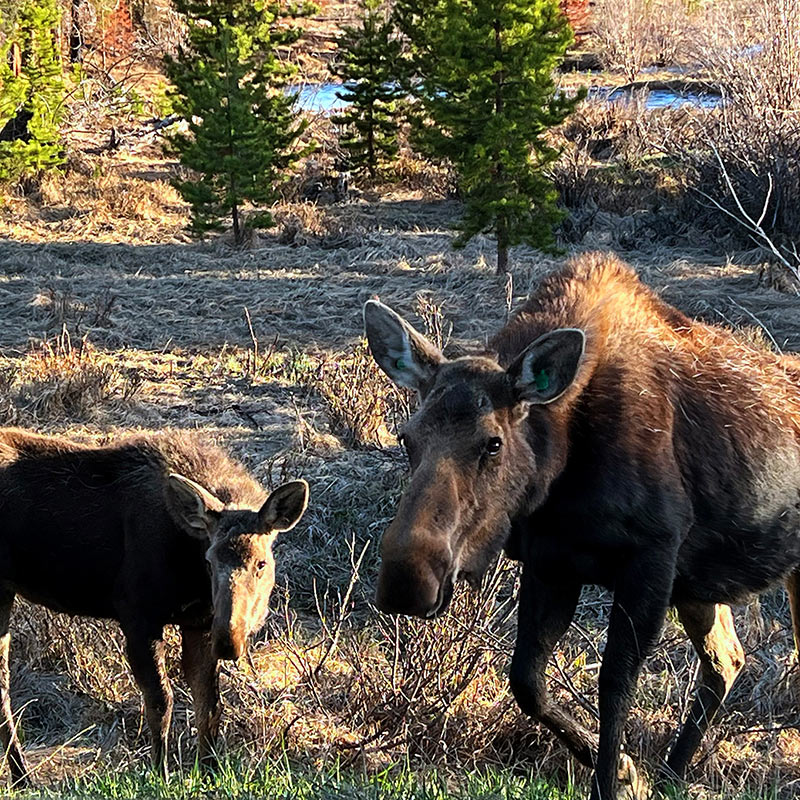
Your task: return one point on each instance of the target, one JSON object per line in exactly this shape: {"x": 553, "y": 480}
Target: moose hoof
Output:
{"x": 632, "y": 786}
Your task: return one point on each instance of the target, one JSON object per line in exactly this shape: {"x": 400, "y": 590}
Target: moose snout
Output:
{"x": 422, "y": 590}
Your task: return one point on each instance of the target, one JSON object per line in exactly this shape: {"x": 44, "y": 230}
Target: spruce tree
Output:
{"x": 242, "y": 127}
{"x": 486, "y": 97}
{"x": 369, "y": 54}
{"x": 31, "y": 89}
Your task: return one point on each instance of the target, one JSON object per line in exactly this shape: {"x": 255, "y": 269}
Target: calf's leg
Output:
{"x": 146, "y": 656}
{"x": 710, "y": 628}
{"x": 8, "y": 729}
{"x": 545, "y": 612}
{"x": 200, "y": 667}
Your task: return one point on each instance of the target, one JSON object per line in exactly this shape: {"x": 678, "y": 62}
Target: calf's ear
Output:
{"x": 405, "y": 355}
{"x": 284, "y": 507}
{"x": 548, "y": 366}
{"x": 194, "y": 508}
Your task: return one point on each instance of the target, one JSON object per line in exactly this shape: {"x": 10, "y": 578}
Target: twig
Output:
{"x": 342, "y": 612}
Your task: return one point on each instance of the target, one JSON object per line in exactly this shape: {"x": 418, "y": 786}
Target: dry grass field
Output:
{"x": 113, "y": 319}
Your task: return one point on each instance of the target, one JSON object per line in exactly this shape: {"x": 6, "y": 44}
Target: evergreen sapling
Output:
{"x": 369, "y": 54}
{"x": 31, "y": 90}
{"x": 243, "y": 128}
{"x": 483, "y": 79}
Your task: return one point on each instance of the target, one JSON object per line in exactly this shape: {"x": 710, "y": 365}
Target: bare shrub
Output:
{"x": 620, "y": 27}
{"x": 746, "y": 155}
{"x": 634, "y": 34}
{"x": 611, "y": 160}
{"x": 66, "y": 311}
{"x": 434, "y": 179}
{"x": 442, "y": 692}
{"x": 358, "y": 398}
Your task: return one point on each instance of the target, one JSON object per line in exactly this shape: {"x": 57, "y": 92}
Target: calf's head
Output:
{"x": 469, "y": 446}
{"x": 239, "y": 553}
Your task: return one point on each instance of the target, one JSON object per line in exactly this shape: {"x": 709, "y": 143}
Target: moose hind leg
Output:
{"x": 146, "y": 657}
{"x": 710, "y": 628}
{"x": 8, "y": 728}
{"x": 202, "y": 675}
{"x": 793, "y": 589}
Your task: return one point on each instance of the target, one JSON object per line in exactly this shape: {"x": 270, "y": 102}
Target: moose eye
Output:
{"x": 494, "y": 445}
{"x": 260, "y": 566}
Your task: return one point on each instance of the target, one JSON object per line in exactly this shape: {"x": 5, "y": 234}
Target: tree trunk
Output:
{"x": 237, "y": 229}
{"x": 371, "y": 157}
{"x": 16, "y": 60}
{"x": 502, "y": 257}
{"x": 75, "y": 34}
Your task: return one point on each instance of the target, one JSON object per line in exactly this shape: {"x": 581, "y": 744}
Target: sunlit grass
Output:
{"x": 238, "y": 779}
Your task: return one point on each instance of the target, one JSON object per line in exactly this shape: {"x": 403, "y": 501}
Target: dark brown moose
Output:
{"x": 606, "y": 439}
{"x": 155, "y": 529}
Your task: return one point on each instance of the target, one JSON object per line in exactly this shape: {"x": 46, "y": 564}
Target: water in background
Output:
{"x": 321, "y": 98}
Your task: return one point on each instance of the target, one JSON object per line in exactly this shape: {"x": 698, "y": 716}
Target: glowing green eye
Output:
{"x": 400, "y": 363}
{"x": 542, "y": 381}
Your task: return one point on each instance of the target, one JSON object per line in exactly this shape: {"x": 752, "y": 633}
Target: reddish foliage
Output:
{"x": 117, "y": 31}
{"x": 577, "y": 12}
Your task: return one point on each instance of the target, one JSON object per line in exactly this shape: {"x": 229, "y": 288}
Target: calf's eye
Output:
{"x": 494, "y": 445}
{"x": 260, "y": 565}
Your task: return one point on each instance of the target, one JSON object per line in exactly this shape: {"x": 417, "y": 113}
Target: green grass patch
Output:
{"x": 282, "y": 780}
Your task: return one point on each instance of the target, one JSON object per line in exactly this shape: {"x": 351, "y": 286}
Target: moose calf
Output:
{"x": 605, "y": 438}
{"x": 153, "y": 530}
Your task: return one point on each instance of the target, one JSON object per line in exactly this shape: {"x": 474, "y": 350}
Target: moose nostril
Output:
{"x": 407, "y": 589}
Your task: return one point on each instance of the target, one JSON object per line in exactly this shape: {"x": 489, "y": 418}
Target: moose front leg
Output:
{"x": 200, "y": 666}
{"x": 146, "y": 656}
{"x": 545, "y": 612}
{"x": 641, "y": 599}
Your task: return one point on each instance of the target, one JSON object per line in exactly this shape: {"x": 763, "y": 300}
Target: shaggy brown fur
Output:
{"x": 154, "y": 529}
{"x": 609, "y": 439}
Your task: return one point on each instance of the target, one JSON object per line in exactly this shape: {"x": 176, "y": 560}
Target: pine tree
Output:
{"x": 241, "y": 125}
{"x": 31, "y": 90}
{"x": 369, "y": 54}
{"x": 486, "y": 98}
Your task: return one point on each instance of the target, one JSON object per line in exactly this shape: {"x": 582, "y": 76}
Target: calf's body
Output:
{"x": 606, "y": 439}
{"x": 155, "y": 530}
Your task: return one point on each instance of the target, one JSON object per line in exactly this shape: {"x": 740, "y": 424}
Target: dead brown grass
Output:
{"x": 294, "y": 393}
{"x": 99, "y": 199}
{"x": 59, "y": 380}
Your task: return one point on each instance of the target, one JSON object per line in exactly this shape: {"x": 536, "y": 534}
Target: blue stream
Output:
{"x": 320, "y": 98}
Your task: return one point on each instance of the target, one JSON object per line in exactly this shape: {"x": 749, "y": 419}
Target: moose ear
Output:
{"x": 548, "y": 366}
{"x": 406, "y": 356}
{"x": 194, "y": 508}
{"x": 283, "y": 509}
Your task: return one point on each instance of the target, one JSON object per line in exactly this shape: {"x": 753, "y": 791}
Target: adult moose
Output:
{"x": 152, "y": 530}
{"x": 605, "y": 439}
